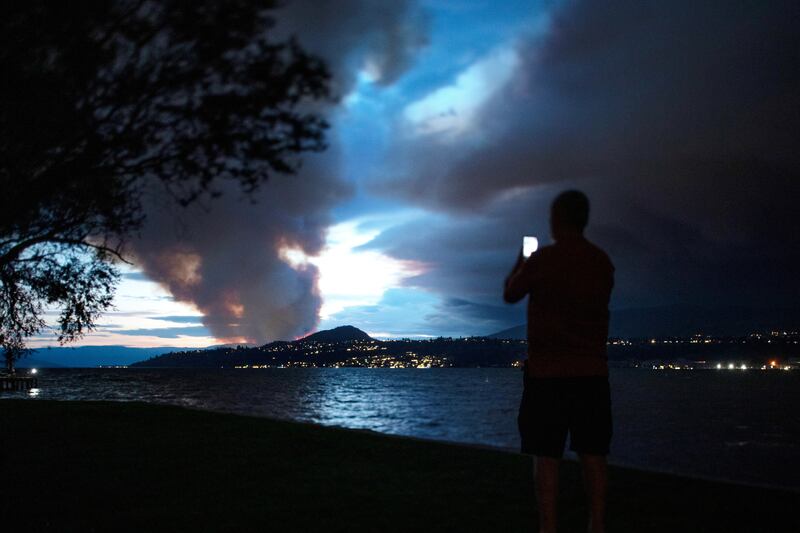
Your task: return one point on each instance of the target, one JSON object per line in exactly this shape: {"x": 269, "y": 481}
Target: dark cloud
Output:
{"x": 378, "y": 37}
{"x": 403, "y": 313}
{"x": 474, "y": 318}
{"x": 225, "y": 257}
{"x": 642, "y": 93}
{"x": 466, "y": 257}
{"x": 679, "y": 119}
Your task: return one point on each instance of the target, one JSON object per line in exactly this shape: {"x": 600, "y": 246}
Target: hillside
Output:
{"x": 349, "y": 346}
{"x": 340, "y": 334}
{"x": 517, "y": 333}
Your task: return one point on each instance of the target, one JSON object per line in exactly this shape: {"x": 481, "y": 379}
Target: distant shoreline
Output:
{"x": 349, "y": 346}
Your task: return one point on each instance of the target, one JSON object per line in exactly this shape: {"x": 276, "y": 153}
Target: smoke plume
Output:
{"x": 227, "y": 256}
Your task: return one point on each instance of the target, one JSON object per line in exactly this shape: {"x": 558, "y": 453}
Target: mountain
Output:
{"x": 686, "y": 320}
{"x": 349, "y": 346}
{"x": 517, "y": 332}
{"x": 227, "y": 357}
{"x": 93, "y": 356}
{"x": 32, "y": 362}
{"x": 88, "y": 356}
{"x": 340, "y": 334}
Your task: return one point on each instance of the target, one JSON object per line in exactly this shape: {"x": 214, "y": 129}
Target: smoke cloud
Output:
{"x": 679, "y": 119}
{"x": 227, "y": 257}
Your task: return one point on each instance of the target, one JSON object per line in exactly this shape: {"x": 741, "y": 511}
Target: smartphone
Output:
{"x": 529, "y": 245}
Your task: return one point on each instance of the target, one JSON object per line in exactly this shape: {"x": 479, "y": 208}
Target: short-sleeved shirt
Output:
{"x": 569, "y": 286}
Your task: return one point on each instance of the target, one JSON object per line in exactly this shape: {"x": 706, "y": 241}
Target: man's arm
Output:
{"x": 518, "y": 283}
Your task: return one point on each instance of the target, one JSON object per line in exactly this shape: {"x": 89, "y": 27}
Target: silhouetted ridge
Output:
{"x": 340, "y": 334}
{"x": 686, "y": 320}
{"x": 517, "y": 332}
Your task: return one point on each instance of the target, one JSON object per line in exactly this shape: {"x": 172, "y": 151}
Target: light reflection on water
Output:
{"x": 740, "y": 426}
{"x": 464, "y": 405}
{"x": 452, "y": 404}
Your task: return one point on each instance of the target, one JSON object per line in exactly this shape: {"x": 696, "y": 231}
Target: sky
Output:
{"x": 455, "y": 125}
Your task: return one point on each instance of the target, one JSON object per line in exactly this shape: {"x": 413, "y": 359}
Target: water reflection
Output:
{"x": 443, "y": 404}
{"x": 463, "y": 405}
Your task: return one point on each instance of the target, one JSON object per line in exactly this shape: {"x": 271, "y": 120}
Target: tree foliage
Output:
{"x": 106, "y": 100}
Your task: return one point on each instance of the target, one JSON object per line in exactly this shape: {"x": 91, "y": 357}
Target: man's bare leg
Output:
{"x": 545, "y": 474}
{"x": 595, "y": 479}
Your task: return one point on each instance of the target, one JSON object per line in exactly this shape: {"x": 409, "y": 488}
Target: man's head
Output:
{"x": 569, "y": 214}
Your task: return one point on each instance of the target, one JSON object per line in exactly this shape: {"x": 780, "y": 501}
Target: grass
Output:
{"x": 98, "y": 466}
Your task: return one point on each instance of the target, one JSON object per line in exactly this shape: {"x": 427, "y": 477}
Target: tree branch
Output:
{"x": 14, "y": 253}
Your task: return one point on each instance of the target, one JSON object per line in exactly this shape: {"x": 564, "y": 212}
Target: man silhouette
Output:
{"x": 566, "y": 374}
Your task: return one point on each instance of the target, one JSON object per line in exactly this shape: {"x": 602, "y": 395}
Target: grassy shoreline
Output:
{"x": 142, "y": 467}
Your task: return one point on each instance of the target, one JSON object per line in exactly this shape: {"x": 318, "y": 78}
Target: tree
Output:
{"x": 106, "y": 100}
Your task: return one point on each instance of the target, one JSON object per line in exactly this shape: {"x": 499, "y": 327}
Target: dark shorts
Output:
{"x": 553, "y": 407}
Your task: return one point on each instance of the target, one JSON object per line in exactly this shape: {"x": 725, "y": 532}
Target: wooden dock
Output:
{"x": 17, "y": 383}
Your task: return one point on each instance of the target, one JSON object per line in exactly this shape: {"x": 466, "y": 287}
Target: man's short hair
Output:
{"x": 571, "y": 208}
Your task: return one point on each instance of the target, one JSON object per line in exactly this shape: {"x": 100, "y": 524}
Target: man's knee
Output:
{"x": 547, "y": 466}
{"x": 590, "y": 459}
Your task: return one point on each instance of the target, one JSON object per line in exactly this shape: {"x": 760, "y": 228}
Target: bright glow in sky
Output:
{"x": 350, "y": 277}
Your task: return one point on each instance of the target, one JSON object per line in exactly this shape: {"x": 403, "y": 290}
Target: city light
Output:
{"x": 445, "y": 351}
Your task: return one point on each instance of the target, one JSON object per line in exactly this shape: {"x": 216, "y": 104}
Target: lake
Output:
{"x": 729, "y": 424}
